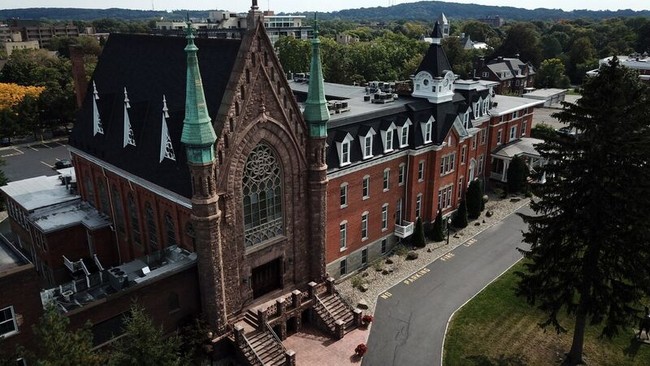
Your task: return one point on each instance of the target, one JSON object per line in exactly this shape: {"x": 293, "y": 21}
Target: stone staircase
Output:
{"x": 331, "y": 308}
{"x": 265, "y": 349}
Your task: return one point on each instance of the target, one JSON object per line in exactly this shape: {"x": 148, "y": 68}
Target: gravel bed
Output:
{"x": 378, "y": 280}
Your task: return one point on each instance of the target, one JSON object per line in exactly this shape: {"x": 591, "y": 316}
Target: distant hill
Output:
{"x": 423, "y": 10}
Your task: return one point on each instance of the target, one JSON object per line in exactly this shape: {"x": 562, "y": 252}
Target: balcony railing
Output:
{"x": 403, "y": 231}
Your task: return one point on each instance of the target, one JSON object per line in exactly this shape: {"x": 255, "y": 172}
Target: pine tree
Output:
{"x": 589, "y": 235}
{"x": 517, "y": 174}
{"x": 438, "y": 228}
{"x": 460, "y": 216}
{"x": 145, "y": 344}
{"x": 418, "y": 235}
{"x": 59, "y": 346}
{"x": 474, "y": 199}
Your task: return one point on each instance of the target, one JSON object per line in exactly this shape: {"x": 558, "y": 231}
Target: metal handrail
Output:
{"x": 326, "y": 309}
{"x": 253, "y": 349}
{"x": 277, "y": 339}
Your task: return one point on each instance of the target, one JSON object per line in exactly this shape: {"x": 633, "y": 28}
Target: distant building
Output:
{"x": 635, "y": 61}
{"x": 227, "y": 24}
{"x": 493, "y": 21}
{"x": 344, "y": 38}
{"x": 512, "y": 74}
{"x": 12, "y": 41}
{"x": 31, "y": 30}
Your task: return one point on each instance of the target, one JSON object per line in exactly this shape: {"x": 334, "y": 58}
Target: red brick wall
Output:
{"x": 22, "y": 284}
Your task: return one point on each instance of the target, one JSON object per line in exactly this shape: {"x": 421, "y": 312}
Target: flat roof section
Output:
{"x": 38, "y": 192}
{"x": 9, "y": 258}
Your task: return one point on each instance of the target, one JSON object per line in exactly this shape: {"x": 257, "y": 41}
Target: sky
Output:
{"x": 289, "y": 6}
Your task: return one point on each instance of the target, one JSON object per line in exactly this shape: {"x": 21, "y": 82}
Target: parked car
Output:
{"x": 62, "y": 164}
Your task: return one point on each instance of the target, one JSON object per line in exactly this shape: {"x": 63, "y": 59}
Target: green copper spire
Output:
{"x": 198, "y": 134}
{"x": 316, "y": 113}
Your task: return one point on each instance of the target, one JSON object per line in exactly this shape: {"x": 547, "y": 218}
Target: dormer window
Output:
{"x": 366, "y": 139}
{"x": 404, "y": 134}
{"x": 476, "y": 109}
{"x": 466, "y": 119}
{"x": 387, "y": 137}
{"x": 343, "y": 148}
{"x": 486, "y": 104}
{"x": 427, "y": 130}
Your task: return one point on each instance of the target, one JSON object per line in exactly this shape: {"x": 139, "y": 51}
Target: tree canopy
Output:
{"x": 589, "y": 253}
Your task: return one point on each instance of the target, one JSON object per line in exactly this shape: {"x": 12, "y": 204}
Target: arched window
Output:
{"x": 189, "y": 231}
{"x": 152, "y": 229}
{"x": 170, "y": 230}
{"x": 90, "y": 191}
{"x": 262, "y": 190}
{"x": 103, "y": 197}
{"x": 135, "y": 222}
{"x": 119, "y": 209}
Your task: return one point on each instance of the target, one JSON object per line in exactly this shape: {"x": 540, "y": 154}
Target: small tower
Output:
{"x": 199, "y": 138}
{"x": 316, "y": 116}
{"x": 434, "y": 78}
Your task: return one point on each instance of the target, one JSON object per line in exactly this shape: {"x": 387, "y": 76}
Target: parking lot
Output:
{"x": 33, "y": 159}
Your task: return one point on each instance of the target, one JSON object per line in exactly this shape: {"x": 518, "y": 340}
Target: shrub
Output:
{"x": 401, "y": 250}
{"x": 418, "y": 235}
{"x": 474, "y": 199}
{"x": 361, "y": 349}
{"x": 438, "y": 228}
{"x": 517, "y": 175}
{"x": 460, "y": 216}
{"x": 356, "y": 281}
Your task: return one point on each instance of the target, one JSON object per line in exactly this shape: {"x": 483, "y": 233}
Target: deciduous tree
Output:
{"x": 551, "y": 74}
{"x": 589, "y": 235}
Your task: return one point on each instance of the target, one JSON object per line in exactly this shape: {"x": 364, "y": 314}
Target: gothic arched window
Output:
{"x": 90, "y": 191}
{"x": 262, "y": 191}
{"x": 135, "y": 222}
{"x": 119, "y": 209}
{"x": 152, "y": 229}
{"x": 103, "y": 197}
{"x": 170, "y": 230}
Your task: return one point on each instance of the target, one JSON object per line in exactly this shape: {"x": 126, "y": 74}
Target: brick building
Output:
{"x": 512, "y": 75}
{"x": 218, "y": 195}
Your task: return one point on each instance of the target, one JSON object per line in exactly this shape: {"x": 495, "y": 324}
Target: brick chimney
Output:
{"x": 78, "y": 74}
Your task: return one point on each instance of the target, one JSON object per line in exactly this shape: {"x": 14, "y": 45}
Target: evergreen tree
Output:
{"x": 418, "y": 235}
{"x": 474, "y": 199}
{"x": 460, "y": 216}
{"x": 438, "y": 228}
{"x": 58, "y": 346}
{"x": 589, "y": 235}
{"x": 517, "y": 175}
{"x": 145, "y": 344}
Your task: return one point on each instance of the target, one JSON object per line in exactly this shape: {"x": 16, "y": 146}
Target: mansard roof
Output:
{"x": 435, "y": 61}
{"x": 149, "y": 67}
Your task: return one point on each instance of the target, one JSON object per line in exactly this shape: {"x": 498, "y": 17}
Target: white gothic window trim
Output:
{"x": 262, "y": 196}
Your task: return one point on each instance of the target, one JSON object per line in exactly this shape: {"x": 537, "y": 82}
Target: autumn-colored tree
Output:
{"x": 12, "y": 94}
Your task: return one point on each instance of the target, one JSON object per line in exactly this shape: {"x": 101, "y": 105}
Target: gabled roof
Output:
{"x": 149, "y": 67}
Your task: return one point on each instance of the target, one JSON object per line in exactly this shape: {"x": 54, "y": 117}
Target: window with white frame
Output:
{"x": 343, "y": 148}
{"x": 474, "y": 139}
{"x": 447, "y": 163}
{"x": 401, "y": 176}
{"x": 445, "y": 197}
{"x": 8, "y": 324}
{"x": 386, "y": 179}
{"x": 476, "y": 109}
{"x": 483, "y": 136}
{"x": 384, "y": 216}
{"x": 344, "y": 195}
{"x": 480, "y": 164}
{"x": 427, "y": 130}
{"x": 364, "y": 226}
{"x": 523, "y": 127}
{"x": 343, "y": 235}
{"x": 513, "y": 133}
{"x": 499, "y": 133}
{"x": 466, "y": 119}
{"x": 365, "y": 187}
{"x": 404, "y": 134}
{"x": 485, "y": 74}
{"x": 418, "y": 205}
{"x": 515, "y": 114}
{"x": 421, "y": 171}
{"x": 367, "y": 146}
{"x": 462, "y": 154}
{"x": 460, "y": 186}
{"x": 389, "y": 141}
{"x": 486, "y": 105}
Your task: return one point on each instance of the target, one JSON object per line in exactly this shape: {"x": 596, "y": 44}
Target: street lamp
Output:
{"x": 448, "y": 227}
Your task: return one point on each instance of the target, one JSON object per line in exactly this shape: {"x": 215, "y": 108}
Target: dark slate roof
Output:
{"x": 435, "y": 61}
{"x": 437, "y": 30}
{"x": 149, "y": 66}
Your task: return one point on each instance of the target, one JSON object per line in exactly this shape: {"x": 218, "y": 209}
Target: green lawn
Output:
{"x": 498, "y": 328}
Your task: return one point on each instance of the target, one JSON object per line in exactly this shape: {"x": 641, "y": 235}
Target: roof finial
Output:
{"x": 316, "y": 30}
{"x": 254, "y": 6}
